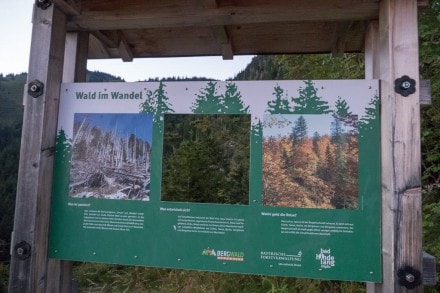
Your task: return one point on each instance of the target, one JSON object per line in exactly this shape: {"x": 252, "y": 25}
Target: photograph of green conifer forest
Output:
{"x": 206, "y": 158}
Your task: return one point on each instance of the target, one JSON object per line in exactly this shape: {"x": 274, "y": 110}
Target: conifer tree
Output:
{"x": 281, "y": 104}
{"x": 208, "y": 100}
{"x": 157, "y": 103}
{"x": 232, "y": 102}
{"x": 309, "y": 102}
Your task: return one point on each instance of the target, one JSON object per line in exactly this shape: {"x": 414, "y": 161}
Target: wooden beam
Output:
{"x": 221, "y": 36}
{"x": 181, "y": 16}
{"x": 96, "y": 47}
{"x": 341, "y": 38}
{"x": 68, "y": 7}
{"x": 75, "y": 57}
{"x": 209, "y": 3}
{"x": 400, "y": 144}
{"x": 107, "y": 38}
{"x": 124, "y": 49}
{"x": 425, "y": 92}
{"x": 422, "y": 3}
{"x": 34, "y": 187}
{"x": 372, "y": 50}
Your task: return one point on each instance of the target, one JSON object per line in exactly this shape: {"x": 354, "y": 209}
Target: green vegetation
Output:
{"x": 206, "y": 158}
{"x": 105, "y": 278}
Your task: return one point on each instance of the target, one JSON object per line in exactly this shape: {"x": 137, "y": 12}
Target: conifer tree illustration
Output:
{"x": 208, "y": 100}
{"x": 342, "y": 108}
{"x": 344, "y": 115}
{"x": 371, "y": 113}
{"x": 64, "y": 148}
{"x": 157, "y": 103}
{"x": 309, "y": 102}
{"x": 281, "y": 104}
{"x": 232, "y": 102}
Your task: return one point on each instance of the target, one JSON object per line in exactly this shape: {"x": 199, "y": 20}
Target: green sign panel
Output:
{"x": 268, "y": 177}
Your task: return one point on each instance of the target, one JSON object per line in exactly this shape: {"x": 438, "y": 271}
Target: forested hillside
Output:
{"x": 98, "y": 277}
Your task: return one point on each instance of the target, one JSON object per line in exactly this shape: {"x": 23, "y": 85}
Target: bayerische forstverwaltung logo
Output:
{"x": 325, "y": 258}
{"x": 224, "y": 254}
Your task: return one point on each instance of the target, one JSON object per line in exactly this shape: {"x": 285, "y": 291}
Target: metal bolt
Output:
{"x": 406, "y": 85}
{"x": 22, "y": 250}
{"x": 35, "y": 88}
{"x": 410, "y": 278}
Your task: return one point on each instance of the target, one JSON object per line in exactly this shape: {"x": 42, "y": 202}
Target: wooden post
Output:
{"x": 29, "y": 262}
{"x": 397, "y": 53}
{"x": 75, "y": 57}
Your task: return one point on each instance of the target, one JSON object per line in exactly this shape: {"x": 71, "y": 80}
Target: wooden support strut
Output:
{"x": 392, "y": 54}
{"x": 31, "y": 221}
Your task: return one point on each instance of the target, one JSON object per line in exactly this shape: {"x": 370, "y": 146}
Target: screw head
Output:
{"x": 22, "y": 250}
{"x": 406, "y": 85}
{"x": 410, "y": 278}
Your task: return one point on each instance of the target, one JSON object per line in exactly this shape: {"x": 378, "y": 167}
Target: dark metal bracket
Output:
{"x": 43, "y": 4}
{"x": 35, "y": 88}
{"x": 405, "y": 86}
{"x": 409, "y": 277}
{"x": 22, "y": 250}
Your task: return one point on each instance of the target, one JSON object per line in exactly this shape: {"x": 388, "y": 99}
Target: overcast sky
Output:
{"x": 15, "y": 30}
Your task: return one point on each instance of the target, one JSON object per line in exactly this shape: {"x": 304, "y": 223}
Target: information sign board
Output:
{"x": 259, "y": 177}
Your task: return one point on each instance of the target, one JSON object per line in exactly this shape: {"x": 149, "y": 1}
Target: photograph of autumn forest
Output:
{"x": 206, "y": 158}
{"x": 111, "y": 156}
{"x": 310, "y": 161}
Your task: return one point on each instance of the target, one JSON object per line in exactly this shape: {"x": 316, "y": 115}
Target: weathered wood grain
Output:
{"x": 400, "y": 143}
{"x": 31, "y": 222}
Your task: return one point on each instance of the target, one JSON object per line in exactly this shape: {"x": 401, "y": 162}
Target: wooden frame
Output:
{"x": 391, "y": 50}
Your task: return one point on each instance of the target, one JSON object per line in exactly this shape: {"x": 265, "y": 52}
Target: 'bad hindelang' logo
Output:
{"x": 327, "y": 260}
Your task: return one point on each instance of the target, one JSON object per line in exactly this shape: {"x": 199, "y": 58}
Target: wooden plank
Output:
{"x": 97, "y": 48}
{"x": 109, "y": 40}
{"x": 75, "y": 57}
{"x": 68, "y": 7}
{"x": 124, "y": 49}
{"x": 32, "y": 210}
{"x": 209, "y": 3}
{"x": 372, "y": 50}
{"x": 341, "y": 38}
{"x": 400, "y": 142}
{"x": 221, "y": 36}
{"x": 429, "y": 269}
{"x": 180, "y": 15}
{"x": 425, "y": 92}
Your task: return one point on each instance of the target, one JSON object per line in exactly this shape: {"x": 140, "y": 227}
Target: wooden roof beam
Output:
{"x": 109, "y": 39}
{"x": 220, "y": 33}
{"x": 124, "y": 49}
{"x": 221, "y": 36}
{"x": 209, "y": 3}
{"x": 97, "y": 47}
{"x": 341, "y": 38}
{"x": 68, "y": 7}
{"x": 223, "y": 16}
